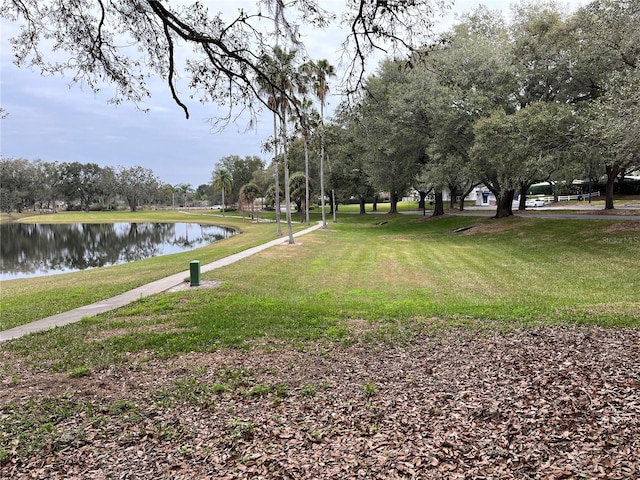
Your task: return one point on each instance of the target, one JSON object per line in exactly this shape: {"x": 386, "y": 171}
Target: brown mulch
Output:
{"x": 548, "y": 403}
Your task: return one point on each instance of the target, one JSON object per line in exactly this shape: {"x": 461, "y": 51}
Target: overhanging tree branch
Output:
{"x": 93, "y": 40}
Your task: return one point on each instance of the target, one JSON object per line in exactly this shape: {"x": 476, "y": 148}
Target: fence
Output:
{"x": 568, "y": 198}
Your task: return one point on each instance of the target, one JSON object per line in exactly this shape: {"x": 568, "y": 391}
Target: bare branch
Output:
{"x": 92, "y": 40}
{"x": 171, "y": 73}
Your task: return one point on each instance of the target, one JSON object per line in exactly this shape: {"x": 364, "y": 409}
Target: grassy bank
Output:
{"x": 380, "y": 276}
{"x": 26, "y": 300}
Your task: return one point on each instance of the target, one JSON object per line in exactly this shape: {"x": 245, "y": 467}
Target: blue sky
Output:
{"x": 52, "y": 120}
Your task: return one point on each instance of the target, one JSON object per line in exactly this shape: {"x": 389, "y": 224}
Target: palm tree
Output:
{"x": 304, "y": 120}
{"x": 184, "y": 189}
{"x": 299, "y": 184}
{"x": 270, "y": 195}
{"x": 305, "y": 114}
{"x": 322, "y": 72}
{"x": 248, "y": 193}
{"x": 279, "y": 85}
{"x": 305, "y": 127}
{"x": 267, "y": 87}
{"x": 287, "y": 86}
{"x": 222, "y": 182}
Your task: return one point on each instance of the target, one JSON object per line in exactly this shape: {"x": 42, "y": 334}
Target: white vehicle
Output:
{"x": 216, "y": 207}
{"x": 534, "y": 202}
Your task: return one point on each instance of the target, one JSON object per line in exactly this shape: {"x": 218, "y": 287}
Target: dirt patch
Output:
{"x": 616, "y": 211}
{"x": 185, "y": 286}
{"x": 496, "y": 225}
{"x": 623, "y": 227}
{"x": 535, "y": 403}
{"x": 286, "y": 250}
{"x": 359, "y": 326}
{"x": 121, "y": 332}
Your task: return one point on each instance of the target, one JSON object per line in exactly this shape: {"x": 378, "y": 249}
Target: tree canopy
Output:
{"x": 539, "y": 99}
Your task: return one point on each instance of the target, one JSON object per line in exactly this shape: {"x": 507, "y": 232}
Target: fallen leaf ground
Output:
{"x": 543, "y": 403}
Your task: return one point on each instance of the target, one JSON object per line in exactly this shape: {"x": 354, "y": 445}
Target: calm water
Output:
{"x": 28, "y": 250}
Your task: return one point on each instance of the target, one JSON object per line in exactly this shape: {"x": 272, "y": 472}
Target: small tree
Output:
{"x": 248, "y": 194}
{"x": 222, "y": 182}
{"x": 322, "y": 71}
{"x": 184, "y": 189}
{"x": 299, "y": 192}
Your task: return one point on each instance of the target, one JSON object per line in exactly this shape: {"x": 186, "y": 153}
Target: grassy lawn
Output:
{"x": 383, "y": 275}
{"x": 383, "y": 207}
{"x": 452, "y": 343}
{"x": 26, "y": 300}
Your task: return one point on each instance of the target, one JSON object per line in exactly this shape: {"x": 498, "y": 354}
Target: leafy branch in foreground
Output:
{"x": 216, "y": 56}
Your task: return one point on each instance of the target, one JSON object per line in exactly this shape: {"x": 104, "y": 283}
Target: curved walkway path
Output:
{"x": 152, "y": 288}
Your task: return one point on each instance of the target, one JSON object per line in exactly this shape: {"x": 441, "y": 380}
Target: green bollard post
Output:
{"x": 194, "y": 270}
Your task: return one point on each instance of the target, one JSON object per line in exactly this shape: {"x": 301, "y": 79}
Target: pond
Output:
{"x": 33, "y": 250}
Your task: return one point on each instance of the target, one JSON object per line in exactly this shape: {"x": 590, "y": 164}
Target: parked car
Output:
{"x": 216, "y": 207}
{"x": 534, "y": 202}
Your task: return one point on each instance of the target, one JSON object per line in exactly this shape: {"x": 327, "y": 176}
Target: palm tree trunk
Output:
{"x": 275, "y": 161}
{"x": 324, "y": 215}
{"x": 287, "y": 195}
{"x": 335, "y": 206}
{"x": 306, "y": 179}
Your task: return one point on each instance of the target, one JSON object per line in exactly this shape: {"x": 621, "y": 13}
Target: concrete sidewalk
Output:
{"x": 152, "y": 288}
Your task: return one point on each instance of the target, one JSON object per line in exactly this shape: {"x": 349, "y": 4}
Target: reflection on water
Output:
{"x": 29, "y": 250}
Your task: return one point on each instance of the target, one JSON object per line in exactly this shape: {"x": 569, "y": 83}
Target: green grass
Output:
{"x": 383, "y": 207}
{"x": 370, "y": 278}
{"x": 26, "y": 300}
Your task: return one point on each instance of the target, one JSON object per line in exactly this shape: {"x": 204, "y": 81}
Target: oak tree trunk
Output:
{"x": 438, "y": 208}
{"x": 362, "y": 204}
{"x": 505, "y": 204}
{"x": 612, "y": 173}
{"x": 393, "y": 199}
{"x": 522, "y": 203}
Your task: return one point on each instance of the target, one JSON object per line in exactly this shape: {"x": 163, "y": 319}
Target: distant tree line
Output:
{"x": 39, "y": 185}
